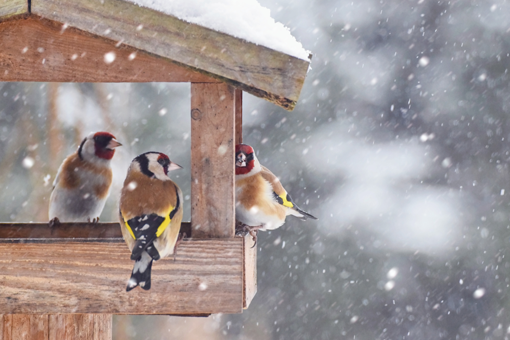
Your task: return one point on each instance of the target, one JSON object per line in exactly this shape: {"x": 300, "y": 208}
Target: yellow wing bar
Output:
{"x": 284, "y": 201}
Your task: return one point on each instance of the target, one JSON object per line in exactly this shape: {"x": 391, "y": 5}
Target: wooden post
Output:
{"x": 239, "y": 115}
{"x": 56, "y": 327}
{"x": 212, "y": 160}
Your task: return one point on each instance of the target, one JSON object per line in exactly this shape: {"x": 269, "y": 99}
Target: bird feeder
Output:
{"x": 65, "y": 282}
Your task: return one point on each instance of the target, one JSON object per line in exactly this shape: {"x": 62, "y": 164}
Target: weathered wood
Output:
{"x": 39, "y": 326}
{"x": 57, "y": 326}
{"x": 66, "y": 232}
{"x": 206, "y": 278}
{"x": 256, "y": 69}
{"x": 249, "y": 270}
{"x": 21, "y": 326}
{"x": 80, "y": 327}
{"x": 10, "y": 8}
{"x": 239, "y": 115}
{"x": 103, "y": 327}
{"x": 212, "y": 160}
{"x": 36, "y": 49}
{"x": 7, "y": 333}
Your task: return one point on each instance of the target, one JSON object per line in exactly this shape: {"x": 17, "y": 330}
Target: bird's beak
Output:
{"x": 174, "y": 166}
{"x": 113, "y": 144}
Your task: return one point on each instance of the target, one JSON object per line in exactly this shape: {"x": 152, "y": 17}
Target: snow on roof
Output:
{"x": 244, "y": 19}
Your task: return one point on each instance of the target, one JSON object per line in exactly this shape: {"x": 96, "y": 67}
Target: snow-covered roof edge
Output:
{"x": 266, "y": 73}
{"x": 245, "y": 19}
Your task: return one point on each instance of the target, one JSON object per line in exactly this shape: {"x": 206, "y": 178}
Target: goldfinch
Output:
{"x": 261, "y": 201}
{"x": 150, "y": 214}
{"x": 83, "y": 181}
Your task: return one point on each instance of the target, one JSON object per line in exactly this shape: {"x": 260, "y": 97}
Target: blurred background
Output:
{"x": 399, "y": 144}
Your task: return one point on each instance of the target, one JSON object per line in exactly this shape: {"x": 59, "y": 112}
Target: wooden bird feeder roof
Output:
{"x": 67, "y": 41}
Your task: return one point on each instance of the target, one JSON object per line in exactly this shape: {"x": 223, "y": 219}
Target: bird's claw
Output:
{"x": 244, "y": 229}
{"x": 54, "y": 222}
{"x": 94, "y": 220}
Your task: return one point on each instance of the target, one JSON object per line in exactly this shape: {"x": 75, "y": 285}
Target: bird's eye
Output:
{"x": 163, "y": 162}
{"x": 102, "y": 141}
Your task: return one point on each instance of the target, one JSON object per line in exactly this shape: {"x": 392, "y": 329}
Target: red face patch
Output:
{"x": 244, "y": 159}
{"x": 245, "y": 148}
{"x": 101, "y": 140}
{"x": 164, "y": 161}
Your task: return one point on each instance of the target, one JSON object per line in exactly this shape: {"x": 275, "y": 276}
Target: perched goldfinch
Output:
{"x": 261, "y": 201}
{"x": 83, "y": 181}
{"x": 150, "y": 214}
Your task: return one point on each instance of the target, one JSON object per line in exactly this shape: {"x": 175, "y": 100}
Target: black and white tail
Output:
{"x": 141, "y": 275}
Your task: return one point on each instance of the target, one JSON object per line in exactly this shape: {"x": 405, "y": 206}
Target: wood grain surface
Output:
{"x": 212, "y": 160}
{"x": 42, "y": 278}
{"x": 10, "y": 8}
{"x": 55, "y": 327}
{"x": 66, "y": 232}
{"x": 249, "y": 270}
{"x": 239, "y": 115}
{"x": 36, "y": 49}
{"x": 256, "y": 69}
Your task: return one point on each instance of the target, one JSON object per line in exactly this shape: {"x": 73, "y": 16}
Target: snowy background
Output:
{"x": 399, "y": 144}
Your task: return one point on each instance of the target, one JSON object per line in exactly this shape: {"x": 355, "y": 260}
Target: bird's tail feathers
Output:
{"x": 303, "y": 215}
{"x": 141, "y": 275}
{"x": 141, "y": 245}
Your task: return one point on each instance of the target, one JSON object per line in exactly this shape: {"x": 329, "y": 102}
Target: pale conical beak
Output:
{"x": 113, "y": 144}
{"x": 174, "y": 166}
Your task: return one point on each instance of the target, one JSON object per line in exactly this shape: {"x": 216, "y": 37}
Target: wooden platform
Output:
{"x": 84, "y": 268}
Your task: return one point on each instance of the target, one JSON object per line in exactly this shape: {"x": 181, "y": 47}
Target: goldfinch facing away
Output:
{"x": 150, "y": 214}
{"x": 83, "y": 181}
{"x": 261, "y": 201}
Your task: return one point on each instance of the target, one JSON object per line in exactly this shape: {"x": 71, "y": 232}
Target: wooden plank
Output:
{"x": 66, "y": 232}
{"x": 212, "y": 160}
{"x": 7, "y": 333}
{"x": 91, "y": 277}
{"x": 239, "y": 115}
{"x": 256, "y": 69}
{"x": 249, "y": 270}
{"x": 102, "y": 327}
{"x": 21, "y": 327}
{"x": 10, "y": 8}
{"x": 39, "y": 324}
{"x": 80, "y": 327}
{"x": 57, "y": 327}
{"x": 35, "y": 49}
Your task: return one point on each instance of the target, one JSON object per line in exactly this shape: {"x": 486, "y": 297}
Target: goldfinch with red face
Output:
{"x": 261, "y": 201}
{"x": 83, "y": 181}
{"x": 150, "y": 214}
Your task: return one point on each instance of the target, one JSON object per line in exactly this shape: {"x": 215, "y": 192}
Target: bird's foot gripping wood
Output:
{"x": 94, "y": 220}
{"x": 179, "y": 239}
{"x": 244, "y": 229}
{"x": 54, "y": 222}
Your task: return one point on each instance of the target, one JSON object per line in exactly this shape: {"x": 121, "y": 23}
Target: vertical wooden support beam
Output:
{"x": 239, "y": 115}
{"x": 55, "y": 327}
{"x": 212, "y": 160}
{"x": 249, "y": 270}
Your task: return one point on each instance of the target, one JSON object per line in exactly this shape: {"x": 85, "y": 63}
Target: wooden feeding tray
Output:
{"x": 83, "y": 268}
{"x": 68, "y": 280}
